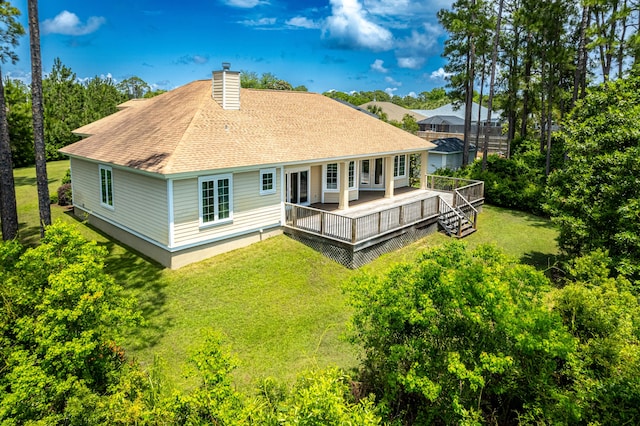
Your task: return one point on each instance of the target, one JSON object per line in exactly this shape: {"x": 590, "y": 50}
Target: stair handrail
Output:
{"x": 460, "y": 216}
{"x": 473, "y": 216}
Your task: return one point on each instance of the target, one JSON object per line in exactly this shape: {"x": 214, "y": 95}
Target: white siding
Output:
{"x": 226, "y": 89}
{"x": 401, "y": 182}
{"x": 139, "y": 201}
{"x": 251, "y": 211}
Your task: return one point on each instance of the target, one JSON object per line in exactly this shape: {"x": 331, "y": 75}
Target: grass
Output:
{"x": 279, "y": 303}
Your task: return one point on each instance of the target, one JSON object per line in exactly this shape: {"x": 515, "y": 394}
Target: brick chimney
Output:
{"x": 226, "y": 87}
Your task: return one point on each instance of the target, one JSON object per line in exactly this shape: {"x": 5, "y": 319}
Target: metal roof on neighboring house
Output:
{"x": 185, "y": 131}
{"x": 458, "y": 111}
{"x": 443, "y": 119}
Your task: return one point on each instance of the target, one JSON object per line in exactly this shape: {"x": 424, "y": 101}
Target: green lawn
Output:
{"x": 278, "y": 302}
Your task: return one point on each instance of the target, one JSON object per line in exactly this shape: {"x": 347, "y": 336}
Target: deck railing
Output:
{"x": 465, "y": 193}
{"x": 370, "y": 225}
{"x": 456, "y": 220}
{"x": 358, "y": 229}
{"x": 469, "y": 189}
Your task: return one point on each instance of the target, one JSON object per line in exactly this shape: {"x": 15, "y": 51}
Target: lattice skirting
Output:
{"x": 353, "y": 256}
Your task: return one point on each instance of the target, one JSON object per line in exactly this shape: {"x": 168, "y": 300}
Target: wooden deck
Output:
{"x": 374, "y": 224}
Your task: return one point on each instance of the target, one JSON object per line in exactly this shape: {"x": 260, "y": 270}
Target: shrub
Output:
{"x": 462, "y": 337}
{"x": 65, "y": 196}
{"x": 67, "y": 177}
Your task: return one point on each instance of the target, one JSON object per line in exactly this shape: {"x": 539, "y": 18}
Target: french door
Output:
{"x": 372, "y": 173}
{"x": 297, "y": 186}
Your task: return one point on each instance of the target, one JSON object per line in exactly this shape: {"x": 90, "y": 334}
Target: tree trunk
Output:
{"x": 468, "y": 102}
{"x": 479, "y": 116}
{"x": 8, "y": 209}
{"x": 549, "y": 120}
{"x": 580, "y": 74}
{"x": 527, "y": 89}
{"x": 543, "y": 115}
{"x": 38, "y": 118}
{"x": 492, "y": 82}
{"x": 622, "y": 44}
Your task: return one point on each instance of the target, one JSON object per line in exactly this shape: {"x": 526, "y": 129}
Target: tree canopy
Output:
{"x": 470, "y": 336}
{"x": 595, "y": 198}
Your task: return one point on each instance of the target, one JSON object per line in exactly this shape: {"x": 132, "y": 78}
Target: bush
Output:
{"x": 462, "y": 337}
{"x": 67, "y": 177}
{"x": 510, "y": 183}
{"x": 65, "y": 196}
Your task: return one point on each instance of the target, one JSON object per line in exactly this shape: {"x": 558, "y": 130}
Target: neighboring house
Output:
{"x": 209, "y": 167}
{"x": 442, "y": 123}
{"x": 448, "y": 154}
{"x": 394, "y": 112}
{"x": 449, "y": 111}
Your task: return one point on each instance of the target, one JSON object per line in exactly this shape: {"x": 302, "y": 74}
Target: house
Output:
{"x": 393, "y": 112}
{"x": 453, "y": 116}
{"x": 448, "y": 154}
{"x": 209, "y": 167}
{"x": 442, "y": 123}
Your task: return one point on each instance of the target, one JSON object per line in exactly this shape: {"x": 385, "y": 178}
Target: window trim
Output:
{"x": 325, "y": 180}
{"x": 106, "y": 185}
{"x": 355, "y": 175}
{"x": 397, "y": 173}
{"x": 272, "y": 172}
{"x": 216, "y": 221}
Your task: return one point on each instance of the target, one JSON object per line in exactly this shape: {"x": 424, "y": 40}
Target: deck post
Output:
{"x": 424, "y": 160}
{"x": 388, "y": 176}
{"x": 354, "y": 228}
{"x": 343, "y": 170}
{"x": 294, "y": 216}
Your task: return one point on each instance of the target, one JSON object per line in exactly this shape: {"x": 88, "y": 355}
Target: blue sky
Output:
{"x": 346, "y": 45}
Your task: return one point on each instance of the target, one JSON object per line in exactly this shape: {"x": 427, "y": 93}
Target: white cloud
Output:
{"x": 302, "y": 22}
{"x": 199, "y": 59}
{"x": 68, "y": 23}
{"x": 390, "y": 80}
{"x": 378, "y": 65}
{"x": 440, "y": 74}
{"x": 245, "y": 4}
{"x": 414, "y": 49}
{"x": 412, "y": 94}
{"x": 192, "y": 59}
{"x": 262, "y": 22}
{"x": 350, "y": 26}
{"x": 411, "y": 62}
{"x": 405, "y": 8}
{"x": 391, "y": 90}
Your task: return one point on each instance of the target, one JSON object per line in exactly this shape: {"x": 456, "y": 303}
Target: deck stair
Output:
{"x": 457, "y": 222}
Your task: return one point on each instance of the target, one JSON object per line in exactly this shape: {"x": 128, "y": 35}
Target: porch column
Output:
{"x": 343, "y": 171}
{"x": 388, "y": 177}
{"x": 424, "y": 161}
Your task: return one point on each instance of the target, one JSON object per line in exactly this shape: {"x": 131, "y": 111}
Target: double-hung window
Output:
{"x": 106, "y": 186}
{"x": 331, "y": 180}
{"x": 216, "y": 201}
{"x": 267, "y": 181}
{"x": 400, "y": 166}
{"x": 352, "y": 174}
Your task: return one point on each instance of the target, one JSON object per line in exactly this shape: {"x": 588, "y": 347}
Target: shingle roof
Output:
{"x": 185, "y": 131}
{"x": 393, "y": 111}
{"x": 450, "y": 145}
